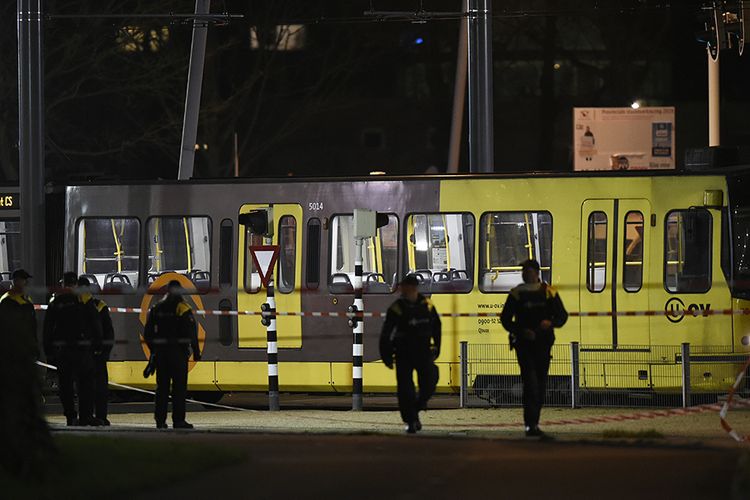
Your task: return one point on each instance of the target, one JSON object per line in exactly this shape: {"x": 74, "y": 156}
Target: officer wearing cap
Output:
{"x": 170, "y": 333}
{"x": 23, "y": 431}
{"x": 531, "y": 313}
{"x": 101, "y": 356}
{"x": 411, "y": 333}
{"x": 72, "y": 333}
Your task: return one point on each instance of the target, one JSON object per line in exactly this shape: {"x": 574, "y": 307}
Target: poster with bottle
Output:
{"x": 624, "y": 138}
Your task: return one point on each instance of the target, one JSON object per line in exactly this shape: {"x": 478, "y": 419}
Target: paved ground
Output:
{"x": 382, "y": 418}
{"x": 296, "y": 466}
{"x": 320, "y": 450}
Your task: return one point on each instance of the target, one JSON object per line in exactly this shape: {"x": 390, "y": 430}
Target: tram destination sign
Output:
{"x": 638, "y": 138}
{"x": 9, "y": 201}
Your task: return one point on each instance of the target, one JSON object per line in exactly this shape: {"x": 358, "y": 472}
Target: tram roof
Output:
{"x": 436, "y": 177}
{"x": 417, "y": 177}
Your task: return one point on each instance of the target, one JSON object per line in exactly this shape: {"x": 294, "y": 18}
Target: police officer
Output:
{"x": 411, "y": 332}
{"x": 101, "y": 356}
{"x": 170, "y": 333}
{"x": 72, "y": 333}
{"x": 18, "y": 313}
{"x": 531, "y": 313}
{"x": 23, "y": 431}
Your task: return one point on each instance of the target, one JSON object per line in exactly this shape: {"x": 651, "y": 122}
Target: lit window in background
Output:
{"x": 282, "y": 37}
{"x": 136, "y": 39}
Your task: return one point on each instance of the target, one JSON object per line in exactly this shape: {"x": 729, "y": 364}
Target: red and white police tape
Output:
{"x": 378, "y": 314}
{"x": 728, "y": 403}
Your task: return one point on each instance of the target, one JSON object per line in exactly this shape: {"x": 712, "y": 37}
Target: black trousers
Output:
{"x": 101, "y": 385}
{"x": 533, "y": 358}
{"x": 75, "y": 373}
{"x": 427, "y": 377}
{"x": 171, "y": 370}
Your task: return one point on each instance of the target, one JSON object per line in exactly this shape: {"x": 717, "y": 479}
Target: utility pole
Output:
{"x": 31, "y": 137}
{"x": 481, "y": 134}
{"x": 459, "y": 93}
{"x": 714, "y": 101}
{"x": 193, "y": 93}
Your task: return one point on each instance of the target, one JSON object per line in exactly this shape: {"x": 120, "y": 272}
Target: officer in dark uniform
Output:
{"x": 24, "y": 434}
{"x": 170, "y": 333}
{"x": 101, "y": 356}
{"x": 531, "y": 313}
{"x": 72, "y": 333}
{"x": 19, "y": 315}
{"x": 411, "y": 332}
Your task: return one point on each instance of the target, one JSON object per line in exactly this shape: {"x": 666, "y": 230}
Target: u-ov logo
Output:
{"x": 675, "y": 310}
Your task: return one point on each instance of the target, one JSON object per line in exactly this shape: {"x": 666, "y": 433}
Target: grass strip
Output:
{"x": 101, "y": 466}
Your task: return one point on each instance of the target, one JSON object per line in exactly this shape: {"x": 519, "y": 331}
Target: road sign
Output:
{"x": 264, "y": 258}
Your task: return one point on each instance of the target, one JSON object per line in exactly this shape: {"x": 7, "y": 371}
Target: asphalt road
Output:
{"x": 320, "y": 454}
{"x": 420, "y": 467}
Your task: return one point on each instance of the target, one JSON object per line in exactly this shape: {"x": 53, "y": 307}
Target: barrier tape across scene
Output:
{"x": 378, "y": 314}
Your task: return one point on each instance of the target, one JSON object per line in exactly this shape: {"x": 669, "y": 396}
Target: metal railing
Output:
{"x": 600, "y": 375}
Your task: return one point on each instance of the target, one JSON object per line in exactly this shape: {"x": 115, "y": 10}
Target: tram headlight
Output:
{"x": 745, "y": 340}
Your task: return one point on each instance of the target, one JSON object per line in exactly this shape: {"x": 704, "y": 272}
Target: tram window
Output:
{"x": 632, "y": 271}
{"x": 725, "y": 246}
{"x": 596, "y": 260}
{"x": 180, "y": 245}
{"x": 687, "y": 252}
{"x": 10, "y": 249}
{"x": 226, "y": 233}
{"x": 108, "y": 252}
{"x": 740, "y": 250}
{"x": 287, "y": 253}
{"x": 312, "y": 260}
{"x": 506, "y": 240}
{"x": 379, "y": 257}
{"x": 252, "y": 277}
{"x": 441, "y": 251}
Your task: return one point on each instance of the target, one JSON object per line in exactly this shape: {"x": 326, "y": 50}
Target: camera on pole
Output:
{"x": 353, "y": 319}
{"x": 265, "y": 309}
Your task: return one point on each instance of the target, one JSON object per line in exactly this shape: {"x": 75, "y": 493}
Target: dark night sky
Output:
{"x": 351, "y": 95}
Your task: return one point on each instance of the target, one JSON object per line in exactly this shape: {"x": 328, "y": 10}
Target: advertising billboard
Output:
{"x": 624, "y": 138}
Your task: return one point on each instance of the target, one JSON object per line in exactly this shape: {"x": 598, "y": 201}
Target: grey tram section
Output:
{"x": 222, "y": 202}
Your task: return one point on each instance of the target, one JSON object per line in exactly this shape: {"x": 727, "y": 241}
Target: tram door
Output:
{"x": 615, "y": 241}
{"x": 286, "y": 277}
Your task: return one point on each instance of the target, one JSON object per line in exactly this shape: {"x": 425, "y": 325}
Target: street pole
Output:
{"x": 459, "y": 93}
{"x": 31, "y": 137}
{"x": 714, "y": 102}
{"x": 358, "y": 329}
{"x": 272, "y": 349}
{"x": 272, "y": 344}
{"x": 481, "y": 134}
{"x": 193, "y": 93}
